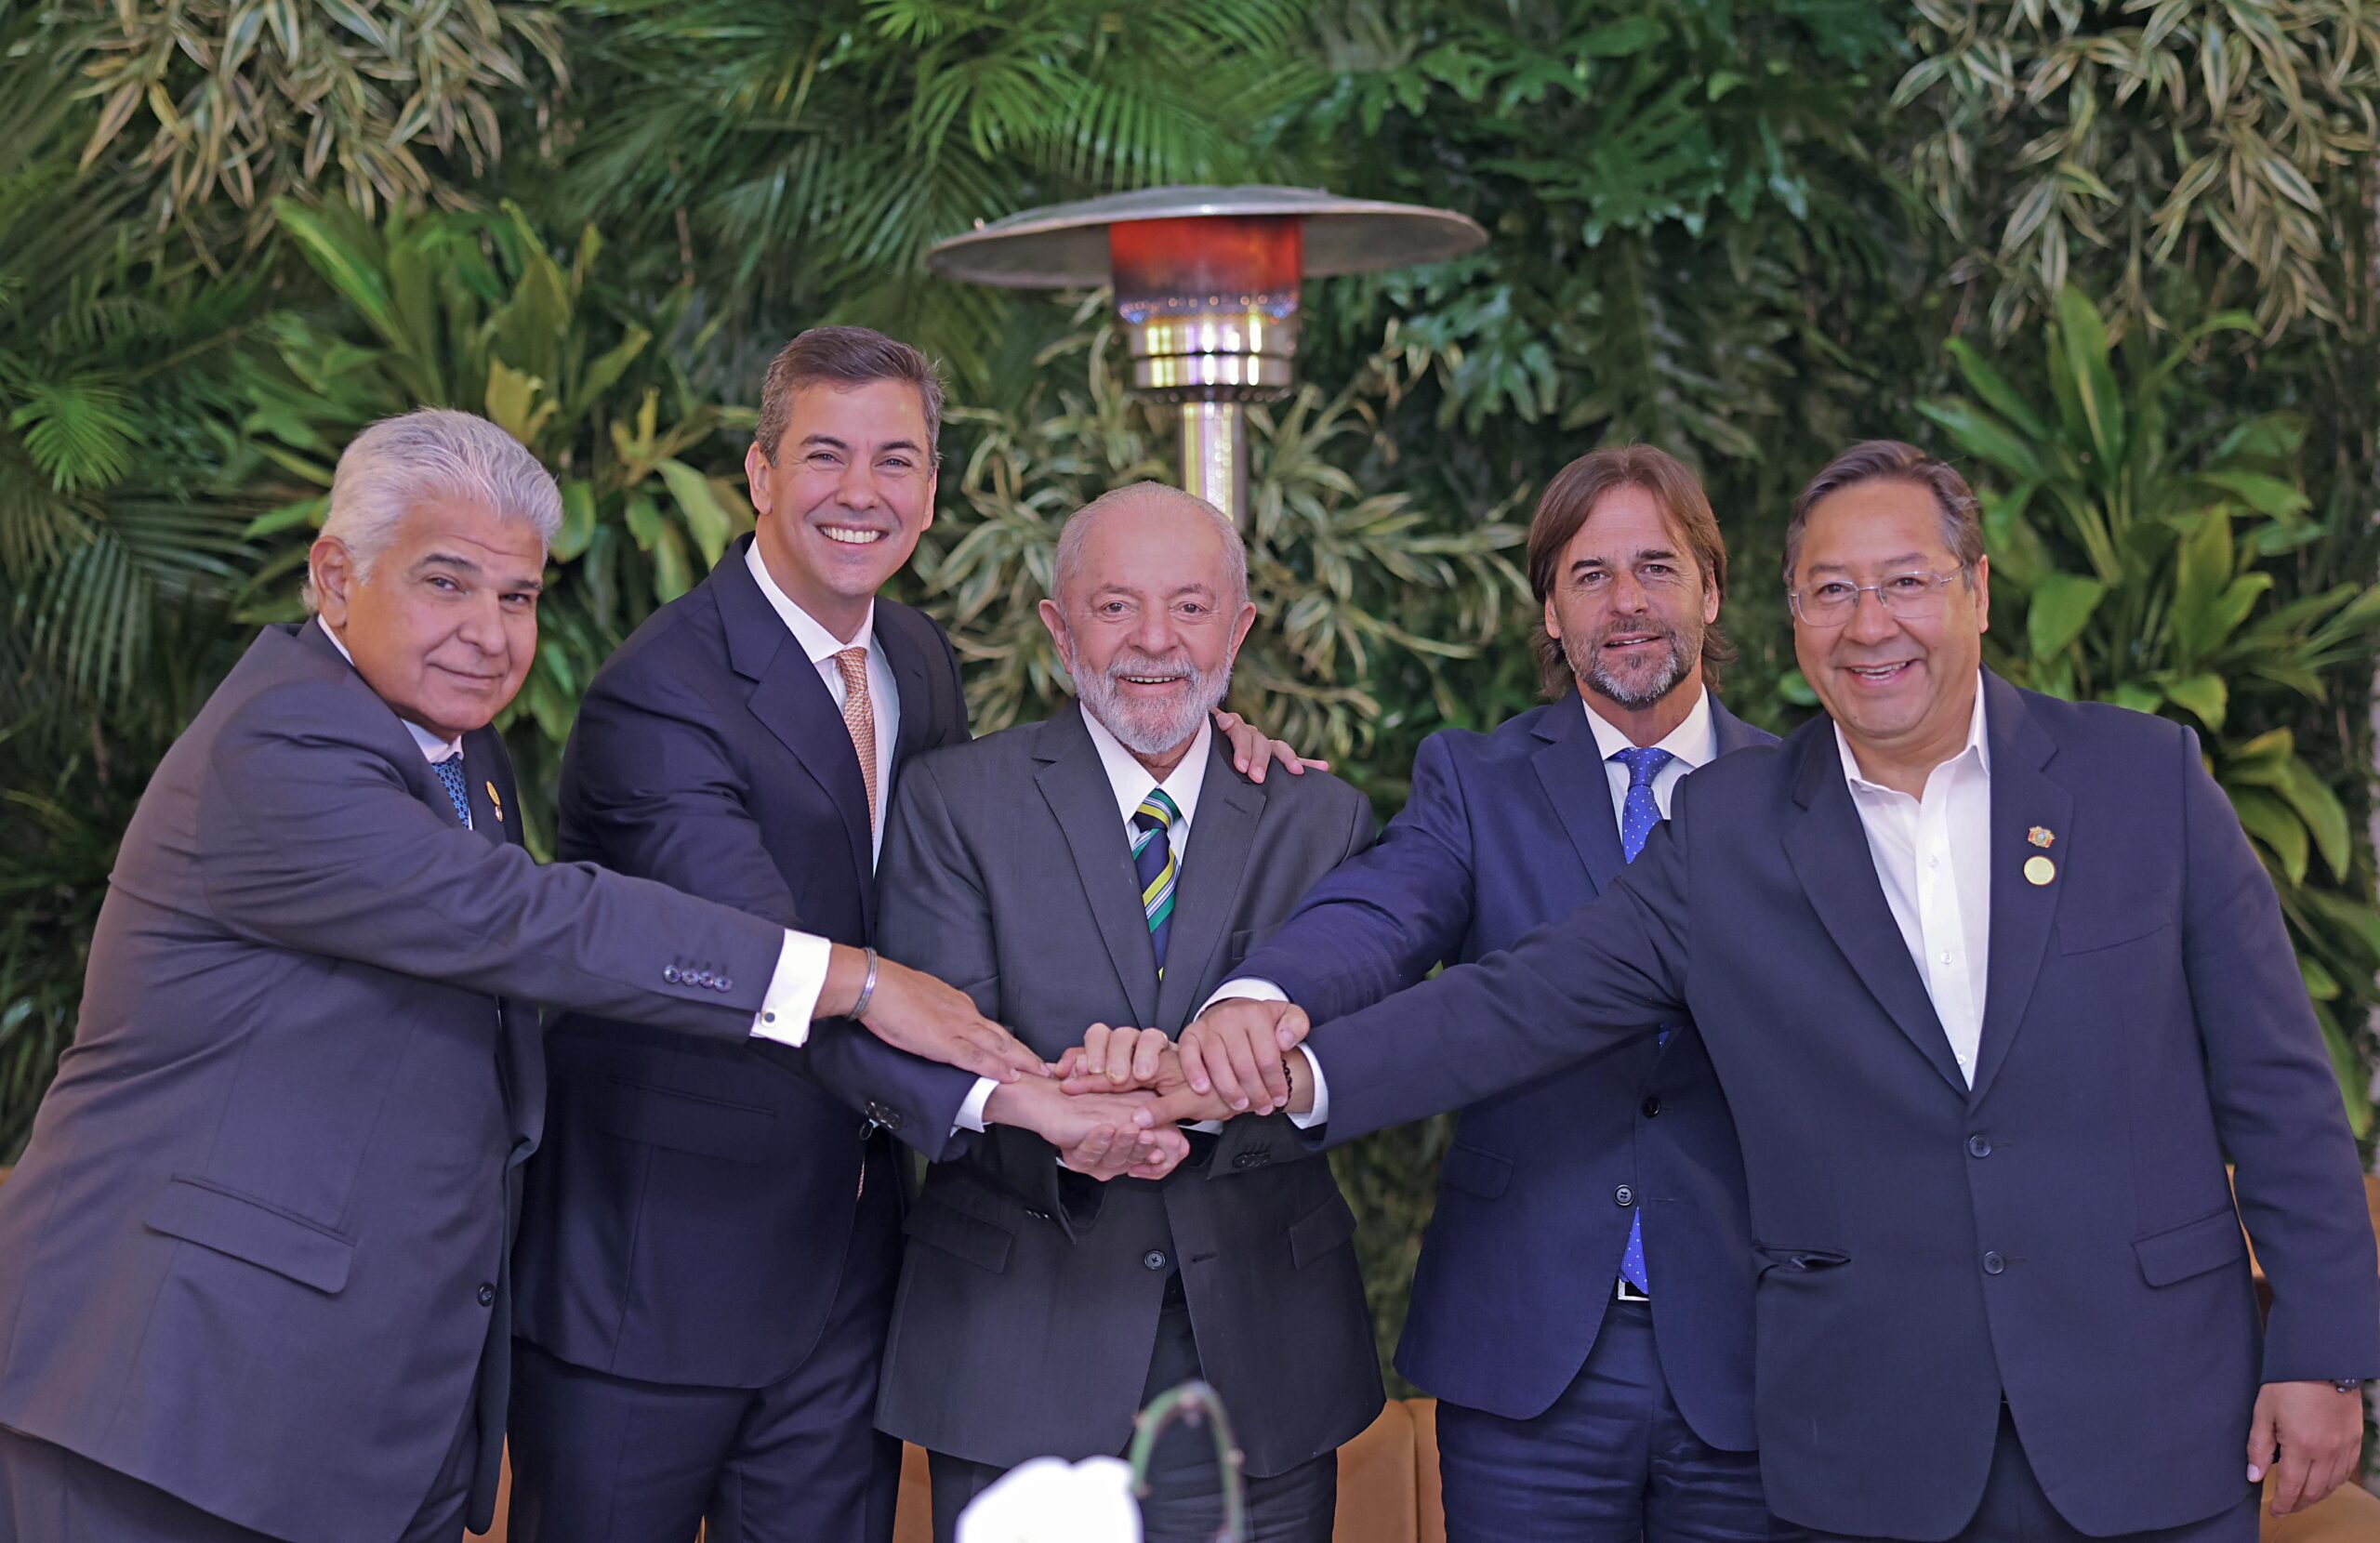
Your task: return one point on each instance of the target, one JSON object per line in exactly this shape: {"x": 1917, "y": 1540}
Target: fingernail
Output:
{"x": 1239, "y": 1103}
{"x": 1201, "y": 1084}
{"x": 2255, "y": 1474}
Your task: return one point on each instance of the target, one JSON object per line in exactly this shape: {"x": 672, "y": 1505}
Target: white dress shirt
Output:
{"x": 801, "y": 975}
{"x": 883, "y": 696}
{"x": 1692, "y": 745}
{"x": 1932, "y": 857}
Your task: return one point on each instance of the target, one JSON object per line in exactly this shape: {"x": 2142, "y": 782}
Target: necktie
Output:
{"x": 450, "y": 772}
{"x": 1638, "y": 814}
{"x": 1153, "y": 865}
{"x": 859, "y": 717}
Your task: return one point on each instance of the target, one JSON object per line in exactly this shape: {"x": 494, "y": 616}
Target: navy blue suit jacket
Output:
{"x": 688, "y": 1216}
{"x": 1504, "y": 832}
{"x": 2063, "y": 1233}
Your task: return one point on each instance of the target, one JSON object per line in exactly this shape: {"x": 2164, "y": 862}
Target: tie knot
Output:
{"x": 852, "y": 662}
{"x": 1157, "y": 811}
{"x": 1643, "y": 763}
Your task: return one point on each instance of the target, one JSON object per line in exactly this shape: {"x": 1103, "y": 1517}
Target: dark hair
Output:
{"x": 1572, "y": 495}
{"x": 843, "y": 356}
{"x": 1891, "y": 461}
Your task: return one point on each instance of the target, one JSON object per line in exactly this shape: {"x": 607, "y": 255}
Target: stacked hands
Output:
{"x": 1112, "y": 1105}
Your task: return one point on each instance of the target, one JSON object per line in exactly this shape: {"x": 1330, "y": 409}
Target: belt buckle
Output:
{"x": 1628, "y": 1293}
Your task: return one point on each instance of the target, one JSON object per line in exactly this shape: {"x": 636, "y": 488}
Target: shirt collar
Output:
{"x": 1978, "y": 745}
{"x": 1695, "y": 740}
{"x": 1131, "y": 781}
{"x": 816, "y": 641}
{"x": 433, "y": 748}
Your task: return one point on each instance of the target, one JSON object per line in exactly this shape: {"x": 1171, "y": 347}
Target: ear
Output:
{"x": 933, "y": 482}
{"x": 1552, "y": 621}
{"x": 1983, "y": 594}
{"x": 1055, "y": 620}
{"x": 334, "y": 580}
{"x": 1240, "y": 623}
{"x": 1710, "y": 603}
{"x": 757, "y": 468}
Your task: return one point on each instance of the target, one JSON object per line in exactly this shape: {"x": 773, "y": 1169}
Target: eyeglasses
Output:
{"x": 1910, "y": 597}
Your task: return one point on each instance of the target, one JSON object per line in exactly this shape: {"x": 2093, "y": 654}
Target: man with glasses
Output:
{"x": 1994, "y": 984}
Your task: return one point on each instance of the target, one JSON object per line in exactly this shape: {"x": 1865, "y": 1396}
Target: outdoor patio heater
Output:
{"x": 1206, "y": 282}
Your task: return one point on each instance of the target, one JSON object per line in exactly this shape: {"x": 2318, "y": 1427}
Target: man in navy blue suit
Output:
{"x": 1995, "y": 984}
{"x": 1593, "y": 1362}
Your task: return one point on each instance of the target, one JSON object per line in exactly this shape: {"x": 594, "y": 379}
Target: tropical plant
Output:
{"x": 474, "y": 311}
{"x": 2138, "y": 560}
{"x": 248, "y": 100}
{"x": 804, "y": 157}
{"x": 1353, "y": 588}
{"x": 2128, "y": 145}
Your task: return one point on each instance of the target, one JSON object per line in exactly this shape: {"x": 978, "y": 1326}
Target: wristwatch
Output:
{"x": 2347, "y": 1384}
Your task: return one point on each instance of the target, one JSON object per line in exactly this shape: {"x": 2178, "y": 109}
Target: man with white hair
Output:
{"x": 1110, "y": 866}
{"x": 252, "y": 1267}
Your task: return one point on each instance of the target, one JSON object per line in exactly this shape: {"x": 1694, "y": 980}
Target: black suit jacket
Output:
{"x": 689, "y": 1214}
{"x": 2062, "y": 1234}
{"x": 254, "y": 1256}
{"x": 1029, "y": 1297}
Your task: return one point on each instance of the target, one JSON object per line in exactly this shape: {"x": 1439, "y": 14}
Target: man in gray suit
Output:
{"x": 1110, "y": 866}
{"x": 252, "y": 1267}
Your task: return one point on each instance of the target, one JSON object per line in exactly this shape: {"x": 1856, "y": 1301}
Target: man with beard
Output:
{"x": 1109, "y": 865}
{"x": 1583, "y": 1304}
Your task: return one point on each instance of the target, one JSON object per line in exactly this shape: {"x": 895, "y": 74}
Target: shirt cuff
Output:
{"x": 792, "y": 998}
{"x": 1320, "y": 1112}
{"x": 970, "y": 1114}
{"x": 1250, "y": 986}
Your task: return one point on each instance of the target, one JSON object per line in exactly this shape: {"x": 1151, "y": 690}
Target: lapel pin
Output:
{"x": 2040, "y": 836}
{"x": 2039, "y": 870}
{"x": 495, "y": 802}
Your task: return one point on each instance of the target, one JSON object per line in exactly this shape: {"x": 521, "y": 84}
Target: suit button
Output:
{"x": 1652, "y": 1106}
{"x": 726, "y": 984}
{"x": 670, "y": 974}
{"x": 1978, "y": 1146}
{"x": 1623, "y": 1196}
{"x": 1994, "y": 1264}
{"x": 487, "y": 1295}
{"x": 1154, "y": 1259}
{"x": 702, "y": 977}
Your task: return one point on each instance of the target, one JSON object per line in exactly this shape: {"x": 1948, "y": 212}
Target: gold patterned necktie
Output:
{"x": 859, "y": 717}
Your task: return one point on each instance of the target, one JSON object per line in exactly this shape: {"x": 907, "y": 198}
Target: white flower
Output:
{"x": 1050, "y": 1500}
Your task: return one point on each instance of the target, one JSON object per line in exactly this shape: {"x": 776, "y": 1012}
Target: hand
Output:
{"x": 1175, "y": 1099}
{"x": 1096, "y": 1134}
{"x": 1234, "y": 1048}
{"x": 2320, "y": 1432}
{"x": 1127, "y": 1059}
{"x": 913, "y": 1012}
{"x": 1252, "y": 754}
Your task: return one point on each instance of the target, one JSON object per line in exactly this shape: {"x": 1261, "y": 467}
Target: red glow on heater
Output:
{"x": 1208, "y": 262}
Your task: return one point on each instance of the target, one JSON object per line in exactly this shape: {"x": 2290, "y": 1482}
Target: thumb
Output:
{"x": 2263, "y": 1440}
{"x": 1292, "y": 1027}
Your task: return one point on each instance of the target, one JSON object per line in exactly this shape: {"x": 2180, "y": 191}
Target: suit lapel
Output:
{"x": 1732, "y": 732}
{"x": 1572, "y": 769}
{"x": 1075, "y": 787}
{"x": 1206, "y": 895}
{"x": 520, "y": 1061}
{"x": 792, "y": 701}
{"x": 1828, "y": 847}
{"x": 2023, "y": 799}
{"x": 904, "y": 652}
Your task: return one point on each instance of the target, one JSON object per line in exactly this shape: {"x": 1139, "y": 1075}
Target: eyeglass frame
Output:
{"x": 1937, "y": 585}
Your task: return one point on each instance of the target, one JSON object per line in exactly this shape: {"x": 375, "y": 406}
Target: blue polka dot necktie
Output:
{"x": 1638, "y": 814}
{"x": 450, "y": 772}
{"x": 1153, "y": 865}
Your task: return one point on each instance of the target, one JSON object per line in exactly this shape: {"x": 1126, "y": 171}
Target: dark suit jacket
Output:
{"x": 1506, "y": 832}
{"x": 2064, "y": 1232}
{"x": 1028, "y": 1308}
{"x": 255, "y": 1253}
{"x": 689, "y": 1214}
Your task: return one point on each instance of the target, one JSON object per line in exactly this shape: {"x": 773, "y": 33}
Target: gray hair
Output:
{"x": 1076, "y": 534}
{"x": 432, "y": 454}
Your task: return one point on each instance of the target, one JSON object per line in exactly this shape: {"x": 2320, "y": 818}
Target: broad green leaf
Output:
{"x": 577, "y": 522}
{"x": 514, "y": 401}
{"x": 2319, "y": 808}
{"x": 2083, "y": 339}
{"x": 706, "y": 522}
{"x": 2264, "y": 494}
{"x": 2057, "y": 610}
{"x": 2205, "y": 696}
{"x": 2274, "y": 825}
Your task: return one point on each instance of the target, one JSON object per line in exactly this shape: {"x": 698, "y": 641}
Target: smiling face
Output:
{"x": 1902, "y": 688}
{"x": 1148, "y": 623}
{"x": 1630, "y": 606}
{"x": 444, "y": 625}
{"x": 846, "y": 496}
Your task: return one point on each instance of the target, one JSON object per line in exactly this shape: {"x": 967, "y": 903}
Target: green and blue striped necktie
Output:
{"x": 1153, "y": 865}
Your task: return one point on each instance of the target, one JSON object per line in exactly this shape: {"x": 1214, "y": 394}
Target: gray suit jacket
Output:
{"x": 255, "y": 1254}
{"x": 1029, "y": 1297}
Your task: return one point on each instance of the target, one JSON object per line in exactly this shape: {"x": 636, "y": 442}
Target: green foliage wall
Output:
{"x": 1748, "y": 231}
